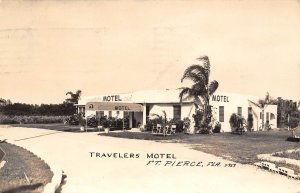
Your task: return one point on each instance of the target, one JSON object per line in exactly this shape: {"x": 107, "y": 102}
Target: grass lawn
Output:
{"x": 291, "y": 155}
{"x": 238, "y": 148}
{"x": 18, "y": 163}
{"x": 56, "y": 126}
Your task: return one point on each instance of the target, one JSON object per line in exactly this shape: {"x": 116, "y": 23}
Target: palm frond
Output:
{"x": 70, "y": 93}
{"x": 192, "y": 76}
{"x": 78, "y": 92}
{"x": 198, "y": 89}
{"x": 213, "y": 86}
{"x": 206, "y": 63}
{"x": 195, "y": 73}
{"x": 255, "y": 104}
{"x": 198, "y": 101}
{"x": 184, "y": 91}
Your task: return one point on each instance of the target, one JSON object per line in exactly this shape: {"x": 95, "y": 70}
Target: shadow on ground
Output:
{"x": 23, "y": 189}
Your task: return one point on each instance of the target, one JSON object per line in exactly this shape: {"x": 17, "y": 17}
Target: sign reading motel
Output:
{"x": 112, "y": 106}
{"x": 220, "y": 98}
{"x": 111, "y": 98}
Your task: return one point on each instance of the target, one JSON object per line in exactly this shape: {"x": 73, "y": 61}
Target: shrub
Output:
{"x": 119, "y": 124}
{"x": 236, "y": 121}
{"x": 4, "y": 119}
{"x": 76, "y": 119}
{"x": 186, "y": 123}
{"x": 153, "y": 122}
{"x": 178, "y": 123}
{"x": 103, "y": 121}
{"x": 294, "y": 122}
{"x": 217, "y": 127}
{"x": 198, "y": 116}
{"x": 149, "y": 125}
{"x": 126, "y": 122}
{"x": 92, "y": 121}
{"x": 7, "y": 120}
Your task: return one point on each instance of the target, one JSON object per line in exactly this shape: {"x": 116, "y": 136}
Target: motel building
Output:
{"x": 139, "y": 106}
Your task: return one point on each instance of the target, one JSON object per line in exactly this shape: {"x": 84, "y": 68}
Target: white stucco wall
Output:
{"x": 159, "y": 108}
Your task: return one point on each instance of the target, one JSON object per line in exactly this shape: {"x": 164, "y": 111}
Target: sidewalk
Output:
{"x": 86, "y": 174}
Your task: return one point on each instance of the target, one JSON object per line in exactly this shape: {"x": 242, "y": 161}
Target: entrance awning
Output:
{"x": 112, "y": 106}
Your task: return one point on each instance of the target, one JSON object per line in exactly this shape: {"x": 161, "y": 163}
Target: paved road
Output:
{"x": 86, "y": 174}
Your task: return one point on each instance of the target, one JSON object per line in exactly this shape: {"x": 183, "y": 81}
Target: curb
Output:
{"x": 270, "y": 157}
{"x": 56, "y": 180}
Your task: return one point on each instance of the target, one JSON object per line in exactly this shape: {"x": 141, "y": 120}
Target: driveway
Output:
{"x": 89, "y": 174}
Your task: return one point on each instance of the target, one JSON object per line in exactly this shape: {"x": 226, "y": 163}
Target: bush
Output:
{"x": 198, "y": 116}
{"x": 203, "y": 124}
{"x": 152, "y": 122}
{"x": 217, "y": 128}
{"x": 178, "y": 123}
{"x": 92, "y": 121}
{"x": 103, "y": 122}
{"x": 76, "y": 119}
{"x": 294, "y": 122}
{"x": 7, "y": 120}
{"x": 4, "y": 119}
{"x": 21, "y": 109}
{"x": 236, "y": 121}
{"x": 186, "y": 124}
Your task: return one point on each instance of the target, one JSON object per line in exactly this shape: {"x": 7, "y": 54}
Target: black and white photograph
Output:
{"x": 149, "y": 96}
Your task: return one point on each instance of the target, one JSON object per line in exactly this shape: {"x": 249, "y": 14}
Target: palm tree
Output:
{"x": 202, "y": 89}
{"x": 262, "y": 105}
{"x": 164, "y": 120}
{"x": 74, "y": 97}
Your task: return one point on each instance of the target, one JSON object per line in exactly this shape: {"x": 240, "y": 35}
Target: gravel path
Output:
{"x": 71, "y": 152}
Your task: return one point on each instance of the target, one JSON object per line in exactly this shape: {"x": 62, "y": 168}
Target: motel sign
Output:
{"x": 114, "y": 106}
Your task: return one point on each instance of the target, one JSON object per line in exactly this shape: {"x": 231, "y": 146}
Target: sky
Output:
{"x": 48, "y": 48}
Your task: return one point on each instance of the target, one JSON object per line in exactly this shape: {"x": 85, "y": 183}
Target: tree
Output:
{"x": 163, "y": 120}
{"x": 202, "y": 89}
{"x": 262, "y": 105}
{"x": 74, "y": 97}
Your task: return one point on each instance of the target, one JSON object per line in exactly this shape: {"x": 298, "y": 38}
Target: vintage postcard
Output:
{"x": 150, "y": 96}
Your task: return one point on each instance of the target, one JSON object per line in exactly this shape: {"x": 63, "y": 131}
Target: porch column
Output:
{"x": 130, "y": 119}
{"x": 144, "y": 114}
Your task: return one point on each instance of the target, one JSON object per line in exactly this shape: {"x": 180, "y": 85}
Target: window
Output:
{"x": 267, "y": 116}
{"x": 239, "y": 111}
{"x": 261, "y": 115}
{"x": 221, "y": 113}
{"x": 177, "y": 112}
{"x": 81, "y": 110}
{"x": 272, "y": 116}
{"x": 109, "y": 114}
